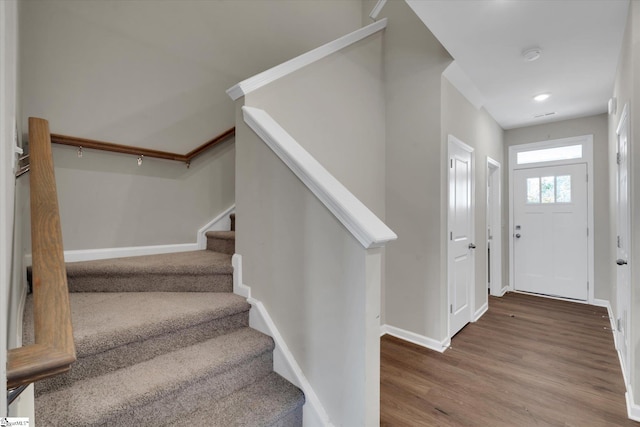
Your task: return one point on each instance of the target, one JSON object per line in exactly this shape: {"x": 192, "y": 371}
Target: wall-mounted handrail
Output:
{"x": 54, "y": 350}
{"x": 139, "y": 151}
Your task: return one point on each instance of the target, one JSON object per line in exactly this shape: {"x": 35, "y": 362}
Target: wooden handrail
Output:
{"x": 54, "y": 350}
{"x": 139, "y": 151}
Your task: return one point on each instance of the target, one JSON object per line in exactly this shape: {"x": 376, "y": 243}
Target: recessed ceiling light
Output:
{"x": 537, "y": 116}
{"x": 531, "y": 54}
{"x": 542, "y": 97}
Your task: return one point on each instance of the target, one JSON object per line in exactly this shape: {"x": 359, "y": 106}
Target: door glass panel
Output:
{"x": 563, "y": 189}
{"x": 568, "y": 152}
{"x": 547, "y": 189}
{"x": 533, "y": 190}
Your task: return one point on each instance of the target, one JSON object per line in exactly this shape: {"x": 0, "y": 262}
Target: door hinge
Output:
{"x": 619, "y": 324}
{"x": 451, "y": 308}
{"x": 451, "y": 235}
{"x": 587, "y": 286}
{"x": 618, "y": 242}
{"x": 451, "y": 161}
{"x": 587, "y": 177}
{"x": 618, "y": 158}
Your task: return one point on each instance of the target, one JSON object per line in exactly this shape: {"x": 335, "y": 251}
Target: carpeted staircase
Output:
{"x": 162, "y": 340}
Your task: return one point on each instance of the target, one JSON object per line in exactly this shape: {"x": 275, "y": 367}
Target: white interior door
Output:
{"x": 551, "y": 231}
{"x": 623, "y": 291}
{"x": 461, "y": 269}
{"x": 494, "y": 228}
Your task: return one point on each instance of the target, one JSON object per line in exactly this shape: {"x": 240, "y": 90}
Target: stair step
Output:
{"x": 271, "y": 401}
{"x": 173, "y": 383}
{"x": 221, "y": 241}
{"x": 194, "y": 271}
{"x": 114, "y": 330}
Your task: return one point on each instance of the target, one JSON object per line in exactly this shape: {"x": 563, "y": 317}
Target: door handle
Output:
{"x": 472, "y": 246}
{"x": 518, "y": 235}
{"x": 621, "y": 262}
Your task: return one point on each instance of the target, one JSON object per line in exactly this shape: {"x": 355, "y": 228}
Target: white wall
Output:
{"x": 154, "y": 74}
{"x": 415, "y": 297}
{"x": 627, "y": 90}
{"x": 298, "y": 259}
{"x": 8, "y": 118}
{"x": 479, "y": 130}
{"x": 596, "y": 126}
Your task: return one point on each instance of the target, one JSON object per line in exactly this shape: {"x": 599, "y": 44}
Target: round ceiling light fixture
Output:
{"x": 542, "y": 97}
{"x": 531, "y": 54}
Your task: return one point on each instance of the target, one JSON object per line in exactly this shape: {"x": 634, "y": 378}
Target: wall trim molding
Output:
{"x": 259, "y": 80}
{"x": 412, "y": 337}
{"x": 220, "y": 222}
{"x": 633, "y": 410}
{"x": 377, "y": 9}
{"x": 285, "y": 365}
{"x": 365, "y": 226}
{"x": 283, "y": 361}
{"x": 480, "y": 312}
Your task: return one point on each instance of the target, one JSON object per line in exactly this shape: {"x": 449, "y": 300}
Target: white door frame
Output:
{"x": 452, "y": 140}
{"x": 625, "y": 356}
{"x": 587, "y": 157}
{"x": 494, "y": 223}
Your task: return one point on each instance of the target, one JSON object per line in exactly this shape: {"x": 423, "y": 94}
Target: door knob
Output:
{"x": 472, "y": 246}
{"x": 621, "y": 262}
{"x": 518, "y": 235}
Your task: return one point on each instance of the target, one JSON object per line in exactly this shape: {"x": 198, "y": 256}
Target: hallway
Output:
{"x": 528, "y": 361}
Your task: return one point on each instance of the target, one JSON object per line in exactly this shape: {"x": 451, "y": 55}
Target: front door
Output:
{"x": 461, "y": 270}
{"x": 551, "y": 231}
{"x": 623, "y": 290}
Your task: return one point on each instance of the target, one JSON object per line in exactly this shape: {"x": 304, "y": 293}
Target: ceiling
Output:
{"x": 580, "y": 42}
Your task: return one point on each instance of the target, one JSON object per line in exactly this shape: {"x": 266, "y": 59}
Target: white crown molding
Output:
{"x": 421, "y": 340}
{"x": 367, "y": 228}
{"x": 377, "y": 9}
{"x": 259, "y": 80}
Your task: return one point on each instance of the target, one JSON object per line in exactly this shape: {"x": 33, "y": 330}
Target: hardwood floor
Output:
{"x": 529, "y": 361}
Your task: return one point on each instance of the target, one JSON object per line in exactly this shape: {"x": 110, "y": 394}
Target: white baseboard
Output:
{"x": 633, "y": 409}
{"x": 480, "y": 312}
{"x": 239, "y": 288}
{"x": 503, "y": 291}
{"x": 220, "y": 222}
{"x": 314, "y": 414}
{"x": 421, "y": 340}
{"x": 606, "y": 304}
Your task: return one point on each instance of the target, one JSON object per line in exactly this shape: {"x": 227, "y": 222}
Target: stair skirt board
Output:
{"x": 219, "y": 223}
{"x": 284, "y": 363}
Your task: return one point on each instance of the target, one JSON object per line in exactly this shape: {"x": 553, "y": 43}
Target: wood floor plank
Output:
{"x": 529, "y": 361}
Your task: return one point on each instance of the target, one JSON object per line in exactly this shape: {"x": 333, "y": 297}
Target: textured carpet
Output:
{"x": 161, "y": 339}
{"x": 195, "y": 271}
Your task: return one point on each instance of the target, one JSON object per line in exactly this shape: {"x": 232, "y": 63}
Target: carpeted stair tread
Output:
{"x": 167, "y": 382}
{"x": 111, "y": 331}
{"x": 111, "y": 319}
{"x": 193, "y": 271}
{"x": 272, "y": 401}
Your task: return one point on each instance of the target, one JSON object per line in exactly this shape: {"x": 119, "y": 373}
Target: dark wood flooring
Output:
{"x": 529, "y": 361}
